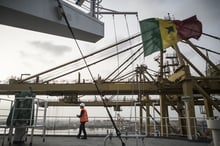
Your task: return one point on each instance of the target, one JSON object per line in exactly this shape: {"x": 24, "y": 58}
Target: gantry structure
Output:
{"x": 173, "y": 83}
{"x": 180, "y": 90}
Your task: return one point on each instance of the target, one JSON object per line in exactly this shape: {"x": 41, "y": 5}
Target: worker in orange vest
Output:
{"x": 83, "y": 119}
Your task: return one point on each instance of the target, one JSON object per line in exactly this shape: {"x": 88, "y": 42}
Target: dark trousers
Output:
{"x": 82, "y": 128}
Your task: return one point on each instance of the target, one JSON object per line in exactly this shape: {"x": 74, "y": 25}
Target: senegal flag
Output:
{"x": 160, "y": 34}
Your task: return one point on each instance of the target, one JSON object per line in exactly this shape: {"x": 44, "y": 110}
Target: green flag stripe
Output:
{"x": 149, "y": 47}
{"x": 151, "y": 33}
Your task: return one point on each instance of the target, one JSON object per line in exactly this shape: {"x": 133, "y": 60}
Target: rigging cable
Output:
{"x": 132, "y": 61}
{"x": 212, "y": 36}
{"x": 132, "y": 91}
{"x": 132, "y": 54}
{"x": 139, "y": 32}
{"x": 116, "y": 77}
{"x": 118, "y": 133}
{"x": 116, "y": 41}
{"x": 77, "y": 60}
{"x": 88, "y": 65}
{"x": 131, "y": 51}
{"x": 126, "y": 61}
{"x": 203, "y": 48}
{"x": 126, "y": 21}
{"x": 139, "y": 90}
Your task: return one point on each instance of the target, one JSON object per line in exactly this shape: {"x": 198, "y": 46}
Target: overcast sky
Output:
{"x": 24, "y": 51}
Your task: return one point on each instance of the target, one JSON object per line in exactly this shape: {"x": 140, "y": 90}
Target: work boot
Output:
{"x": 83, "y": 137}
{"x": 78, "y": 136}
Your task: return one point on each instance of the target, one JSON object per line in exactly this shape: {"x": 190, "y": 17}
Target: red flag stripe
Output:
{"x": 188, "y": 28}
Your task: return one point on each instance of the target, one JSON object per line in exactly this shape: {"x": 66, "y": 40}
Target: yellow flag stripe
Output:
{"x": 168, "y": 33}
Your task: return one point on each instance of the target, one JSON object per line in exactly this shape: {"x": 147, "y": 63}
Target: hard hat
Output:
{"x": 82, "y": 104}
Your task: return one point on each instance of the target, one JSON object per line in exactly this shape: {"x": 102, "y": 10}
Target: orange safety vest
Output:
{"x": 84, "y": 117}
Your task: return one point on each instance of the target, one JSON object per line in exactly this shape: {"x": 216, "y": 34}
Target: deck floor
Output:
{"x": 99, "y": 141}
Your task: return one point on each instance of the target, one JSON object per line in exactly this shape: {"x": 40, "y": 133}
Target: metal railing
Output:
{"x": 13, "y": 119}
{"x": 68, "y": 125}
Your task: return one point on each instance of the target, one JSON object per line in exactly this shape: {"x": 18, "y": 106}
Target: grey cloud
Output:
{"x": 23, "y": 54}
{"x": 56, "y": 50}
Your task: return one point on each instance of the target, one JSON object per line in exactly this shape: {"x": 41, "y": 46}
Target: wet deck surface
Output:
{"x": 99, "y": 141}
